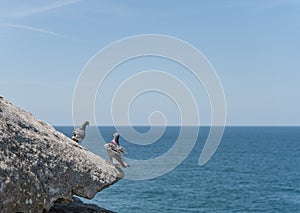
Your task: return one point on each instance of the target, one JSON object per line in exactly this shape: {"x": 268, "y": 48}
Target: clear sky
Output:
{"x": 254, "y": 47}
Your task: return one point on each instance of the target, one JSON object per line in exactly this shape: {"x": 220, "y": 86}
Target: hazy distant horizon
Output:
{"x": 184, "y": 126}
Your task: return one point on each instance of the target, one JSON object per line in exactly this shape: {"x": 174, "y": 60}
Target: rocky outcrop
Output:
{"x": 39, "y": 165}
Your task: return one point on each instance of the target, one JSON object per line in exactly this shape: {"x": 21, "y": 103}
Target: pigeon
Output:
{"x": 113, "y": 151}
{"x": 79, "y": 133}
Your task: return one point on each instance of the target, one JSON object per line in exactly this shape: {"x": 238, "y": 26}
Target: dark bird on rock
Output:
{"x": 79, "y": 133}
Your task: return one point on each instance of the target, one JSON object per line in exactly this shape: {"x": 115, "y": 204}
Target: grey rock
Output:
{"x": 39, "y": 165}
{"x": 77, "y": 206}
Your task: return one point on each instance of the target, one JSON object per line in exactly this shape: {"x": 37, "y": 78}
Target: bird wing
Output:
{"x": 121, "y": 149}
{"x": 78, "y": 134}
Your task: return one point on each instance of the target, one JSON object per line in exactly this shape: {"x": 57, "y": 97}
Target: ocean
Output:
{"x": 255, "y": 169}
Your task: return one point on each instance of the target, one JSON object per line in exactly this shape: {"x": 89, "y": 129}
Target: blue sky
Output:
{"x": 254, "y": 47}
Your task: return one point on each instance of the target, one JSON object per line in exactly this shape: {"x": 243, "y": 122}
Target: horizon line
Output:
{"x": 173, "y": 125}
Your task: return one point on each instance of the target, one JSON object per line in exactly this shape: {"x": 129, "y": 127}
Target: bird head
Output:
{"x": 83, "y": 126}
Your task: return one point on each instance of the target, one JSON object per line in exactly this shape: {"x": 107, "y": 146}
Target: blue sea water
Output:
{"x": 255, "y": 169}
